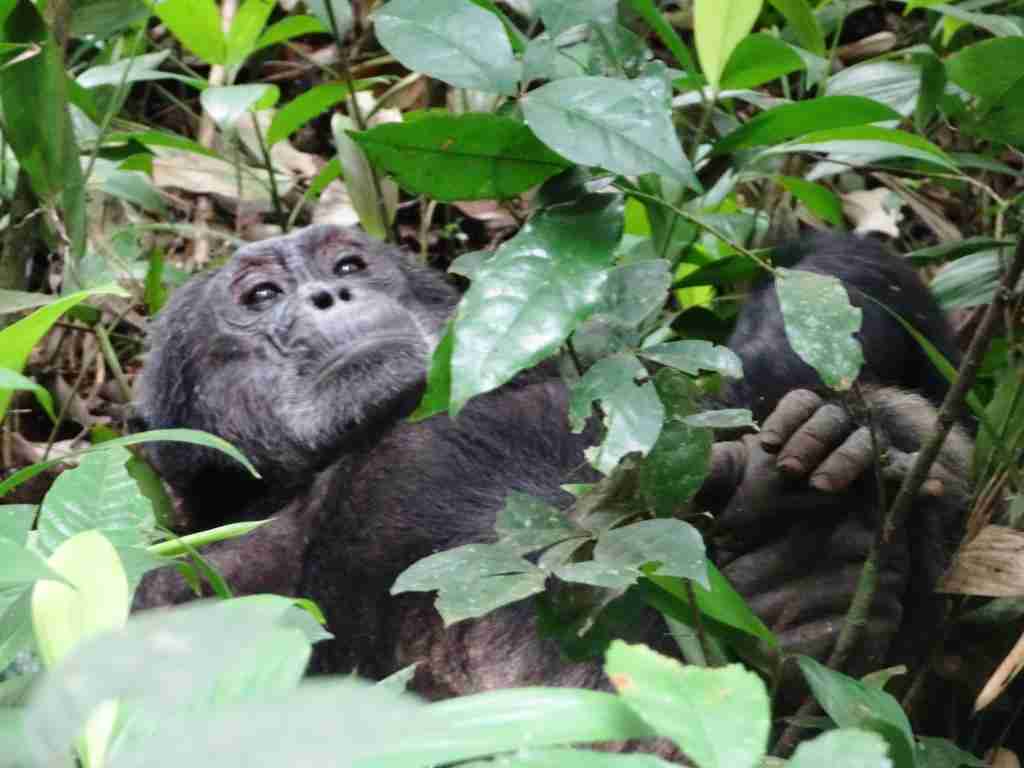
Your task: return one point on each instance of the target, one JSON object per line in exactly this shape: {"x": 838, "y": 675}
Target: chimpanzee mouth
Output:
{"x": 373, "y": 350}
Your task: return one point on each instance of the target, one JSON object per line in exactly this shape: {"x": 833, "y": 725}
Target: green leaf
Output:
{"x": 634, "y": 291}
{"x": 192, "y": 436}
{"x": 718, "y": 717}
{"x": 228, "y": 103}
{"x": 17, "y": 340}
{"x": 308, "y": 105}
{"x": 852, "y": 704}
{"x": 99, "y": 494}
{"x": 9, "y": 380}
{"x": 473, "y": 156}
{"x": 16, "y": 521}
{"x": 820, "y": 201}
{"x": 694, "y": 356}
{"x": 718, "y": 27}
{"x": 675, "y": 547}
{"x": 757, "y": 60}
{"x": 452, "y": 40}
{"x": 820, "y": 323}
{"x": 529, "y": 524}
{"x": 439, "y": 380}
{"x": 64, "y": 616}
{"x": 22, "y": 567}
{"x": 843, "y": 748}
{"x": 941, "y": 753}
{"x": 473, "y": 580}
{"x": 804, "y": 24}
{"x": 633, "y": 413}
{"x": 789, "y": 120}
{"x": 246, "y": 27}
{"x": 532, "y": 294}
{"x": 981, "y": 69}
{"x": 558, "y": 15}
{"x": 893, "y": 84}
{"x": 613, "y": 124}
{"x": 871, "y": 143}
{"x": 676, "y": 467}
{"x": 197, "y": 24}
{"x": 723, "y": 418}
{"x": 37, "y": 124}
{"x": 969, "y": 281}
{"x": 290, "y": 27}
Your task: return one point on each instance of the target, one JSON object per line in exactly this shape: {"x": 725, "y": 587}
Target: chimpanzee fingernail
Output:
{"x": 933, "y": 487}
{"x": 791, "y": 465}
{"x": 822, "y": 482}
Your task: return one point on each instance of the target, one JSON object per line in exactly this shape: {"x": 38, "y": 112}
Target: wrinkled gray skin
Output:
{"x": 306, "y": 351}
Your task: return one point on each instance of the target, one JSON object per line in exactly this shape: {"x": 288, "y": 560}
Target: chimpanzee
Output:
{"x": 308, "y": 350}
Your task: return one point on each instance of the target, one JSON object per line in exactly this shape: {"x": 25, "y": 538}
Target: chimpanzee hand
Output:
{"x": 797, "y": 507}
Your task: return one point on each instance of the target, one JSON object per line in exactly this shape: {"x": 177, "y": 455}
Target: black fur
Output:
{"x": 361, "y": 494}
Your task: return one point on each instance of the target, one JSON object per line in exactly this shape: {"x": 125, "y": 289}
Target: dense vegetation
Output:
{"x": 625, "y": 163}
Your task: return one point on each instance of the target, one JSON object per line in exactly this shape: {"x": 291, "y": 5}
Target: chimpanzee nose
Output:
{"x": 321, "y": 297}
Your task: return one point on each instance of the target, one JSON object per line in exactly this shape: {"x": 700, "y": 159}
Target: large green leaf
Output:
{"x": 694, "y": 356}
{"x": 804, "y": 24}
{"x": 853, "y": 704}
{"x": 869, "y": 143}
{"x": 719, "y": 26}
{"x": 559, "y": 15}
{"x": 981, "y": 69}
{"x": 466, "y": 157}
{"x": 37, "y": 123}
{"x": 308, "y": 105}
{"x": 98, "y": 494}
{"x": 246, "y": 28}
{"x": 452, "y": 40}
{"x": 532, "y": 293}
{"x": 757, "y": 60}
{"x": 613, "y": 124}
{"x": 720, "y": 718}
{"x": 820, "y": 323}
{"x": 197, "y": 24}
{"x": 22, "y": 567}
{"x": 895, "y": 84}
{"x": 790, "y": 120}
{"x": 64, "y": 616}
{"x": 842, "y": 748}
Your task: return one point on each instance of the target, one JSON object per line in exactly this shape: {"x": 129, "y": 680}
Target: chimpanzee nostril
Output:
{"x": 322, "y": 300}
{"x": 344, "y": 294}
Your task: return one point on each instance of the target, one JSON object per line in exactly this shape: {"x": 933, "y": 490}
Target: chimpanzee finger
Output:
{"x": 939, "y": 479}
{"x": 845, "y": 464}
{"x": 805, "y": 450}
{"x": 789, "y": 415}
{"x": 728, "y": 462}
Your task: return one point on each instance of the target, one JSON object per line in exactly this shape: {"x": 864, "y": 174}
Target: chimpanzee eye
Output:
{"x": 261, "y": 294}
{"x": 349, "y": 265}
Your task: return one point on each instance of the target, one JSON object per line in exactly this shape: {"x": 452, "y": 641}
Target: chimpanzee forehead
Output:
{"x": 305, "y": 247}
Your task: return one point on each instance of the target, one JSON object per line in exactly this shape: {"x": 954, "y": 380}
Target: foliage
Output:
{"x": 664, "y": 148}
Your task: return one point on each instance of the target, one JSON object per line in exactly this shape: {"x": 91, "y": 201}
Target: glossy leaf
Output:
{"x": 820, "y": 201}
{"x": 613, "y": 124}
{"x": 532, "y": 293}
{"x": 758, "y": 59}
{"x": 871, "y": 143}
{"x": 559, "y": 15}
{"x": 718, "y": 717}
{"x": 246, "y": 28}
{"x": 306, "y": 106}
{"x": 718, "y": 27}
{"x": 288, "y": 28}
{"x": 852, "y": 704}
{"x": 893, "y": 84}
{"x": 694, "y": 356}
{"x": 790, "y": 120}
{"x": 452, "y": 40}
{"x": 99, "y": 494}
{"x": 197, "y": 24}
{"x": 842, "y": 748}
{"x": 634, "y": 291}
{"x": 472, "y": 580}
{"x": 22, "y": 567}
{"x": 820, "y": 323}
{"x": 461, "y": 157}
{"x": 229, "y": 103}
{"x": 969, "y": 281}
{"x": 803, "y": 22}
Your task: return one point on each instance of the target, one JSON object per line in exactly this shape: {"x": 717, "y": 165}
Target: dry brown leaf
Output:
{"x": 991, "y": 565}
{"x": 200, "y": 174}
